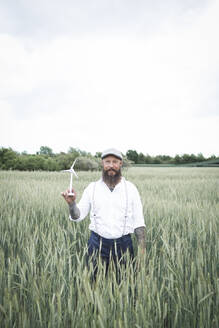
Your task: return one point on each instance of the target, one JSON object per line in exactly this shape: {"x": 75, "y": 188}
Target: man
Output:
{"x": 115, "y": 211}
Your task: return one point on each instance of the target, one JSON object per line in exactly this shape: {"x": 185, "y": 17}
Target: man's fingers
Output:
{"x": 67, "y": 197}
{"x": 64, "y": 194}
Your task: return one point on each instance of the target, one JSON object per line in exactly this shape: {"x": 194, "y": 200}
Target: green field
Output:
{"x": 44, "y": 281}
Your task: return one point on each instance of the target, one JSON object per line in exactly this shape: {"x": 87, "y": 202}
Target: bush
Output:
{"x": 87, "y": 164}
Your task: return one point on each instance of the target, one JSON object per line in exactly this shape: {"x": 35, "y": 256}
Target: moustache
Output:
{"x": 112, "y": 170}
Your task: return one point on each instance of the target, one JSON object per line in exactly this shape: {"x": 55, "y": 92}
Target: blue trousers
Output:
{"x": 109, "y": 249}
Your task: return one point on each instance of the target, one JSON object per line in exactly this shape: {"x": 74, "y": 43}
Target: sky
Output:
{"x": 96, "y": 74}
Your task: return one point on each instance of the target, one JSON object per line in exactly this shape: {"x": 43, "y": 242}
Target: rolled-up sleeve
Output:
{"x": 84, "y": 205}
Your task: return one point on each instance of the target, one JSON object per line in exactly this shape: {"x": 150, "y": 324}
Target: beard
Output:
{"x": 112, "y": 180}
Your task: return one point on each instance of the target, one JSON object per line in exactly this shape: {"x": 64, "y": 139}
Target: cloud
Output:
{"x": 43, "y": 19}
{"x": 131, "y": 92}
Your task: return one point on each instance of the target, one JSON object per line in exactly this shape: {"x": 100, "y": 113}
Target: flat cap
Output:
{"x": 111, "y": 151}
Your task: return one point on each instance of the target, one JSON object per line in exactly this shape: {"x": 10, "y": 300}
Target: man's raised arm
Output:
{"x": 73, "y": 209}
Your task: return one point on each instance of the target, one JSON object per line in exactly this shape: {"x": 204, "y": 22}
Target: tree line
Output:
{"x": 46, "y": 160}
{"x": 140, "y": 158}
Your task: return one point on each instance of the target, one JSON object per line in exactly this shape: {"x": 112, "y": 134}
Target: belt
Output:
{"x": 108, "y": 239}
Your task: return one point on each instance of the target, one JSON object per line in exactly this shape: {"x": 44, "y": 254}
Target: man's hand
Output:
{"x": 69, "y": 198}
{"x": 140, "y": 235}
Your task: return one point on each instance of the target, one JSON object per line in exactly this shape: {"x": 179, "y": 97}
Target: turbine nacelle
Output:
{"x": 71, "y": 171}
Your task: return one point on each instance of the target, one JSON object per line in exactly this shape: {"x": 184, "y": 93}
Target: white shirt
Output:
{"x": 112, "y": 213}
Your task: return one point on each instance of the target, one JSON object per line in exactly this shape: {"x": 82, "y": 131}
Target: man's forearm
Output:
{"x": 74, "y": 211}
{"x": 140, "y": 235}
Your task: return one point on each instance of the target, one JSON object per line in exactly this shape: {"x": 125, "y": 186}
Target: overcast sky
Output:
{"x": 130, "y": 74}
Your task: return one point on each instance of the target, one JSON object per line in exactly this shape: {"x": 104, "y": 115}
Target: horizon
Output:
{"x": 94, "y": 153}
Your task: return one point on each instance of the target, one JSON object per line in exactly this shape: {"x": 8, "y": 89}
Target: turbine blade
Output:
{"x": 73, "y": 171}
{"x": 73, "y": 163}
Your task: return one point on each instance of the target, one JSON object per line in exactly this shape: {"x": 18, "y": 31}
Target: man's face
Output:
{"x": 111, "y": 165}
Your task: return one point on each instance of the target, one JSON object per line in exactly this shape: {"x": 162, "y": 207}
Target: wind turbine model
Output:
{"x": 72, "y": 171}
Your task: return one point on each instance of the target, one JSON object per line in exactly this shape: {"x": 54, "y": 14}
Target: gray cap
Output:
{"x": 111, "y": 151}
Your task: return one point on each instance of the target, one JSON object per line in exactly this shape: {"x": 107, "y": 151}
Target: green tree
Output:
{"x": 141, "y": 158}
{"x": 148, "y": 159}
{"x": 78, "y": 152}
{"x": 45, "y": 150}
{"x": 157, "y": 160}
{"x": 212, "y": 157}
{"x": 87, "y": 164}
{"x": 186, "y": 158}
{"x": 200, "y": 157}
{"x": 177, "y": 159}
{"x": 30, "y": 163}
{"x": 8, "y": 158}
{"x": 98, "y": 154}
{"x": 132, "y": 155}
{"x": 165, "y": 158}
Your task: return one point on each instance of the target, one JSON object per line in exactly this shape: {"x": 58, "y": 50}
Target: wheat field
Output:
{"x": 44, "y": 280}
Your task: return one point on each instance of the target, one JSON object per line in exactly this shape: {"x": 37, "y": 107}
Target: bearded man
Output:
{"x": 115, "y": 211}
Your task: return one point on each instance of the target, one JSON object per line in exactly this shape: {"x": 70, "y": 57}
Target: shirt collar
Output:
{"x": 116, "y": 186}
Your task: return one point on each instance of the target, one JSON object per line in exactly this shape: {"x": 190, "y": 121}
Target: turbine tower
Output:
{"x": 72, "y": 171}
